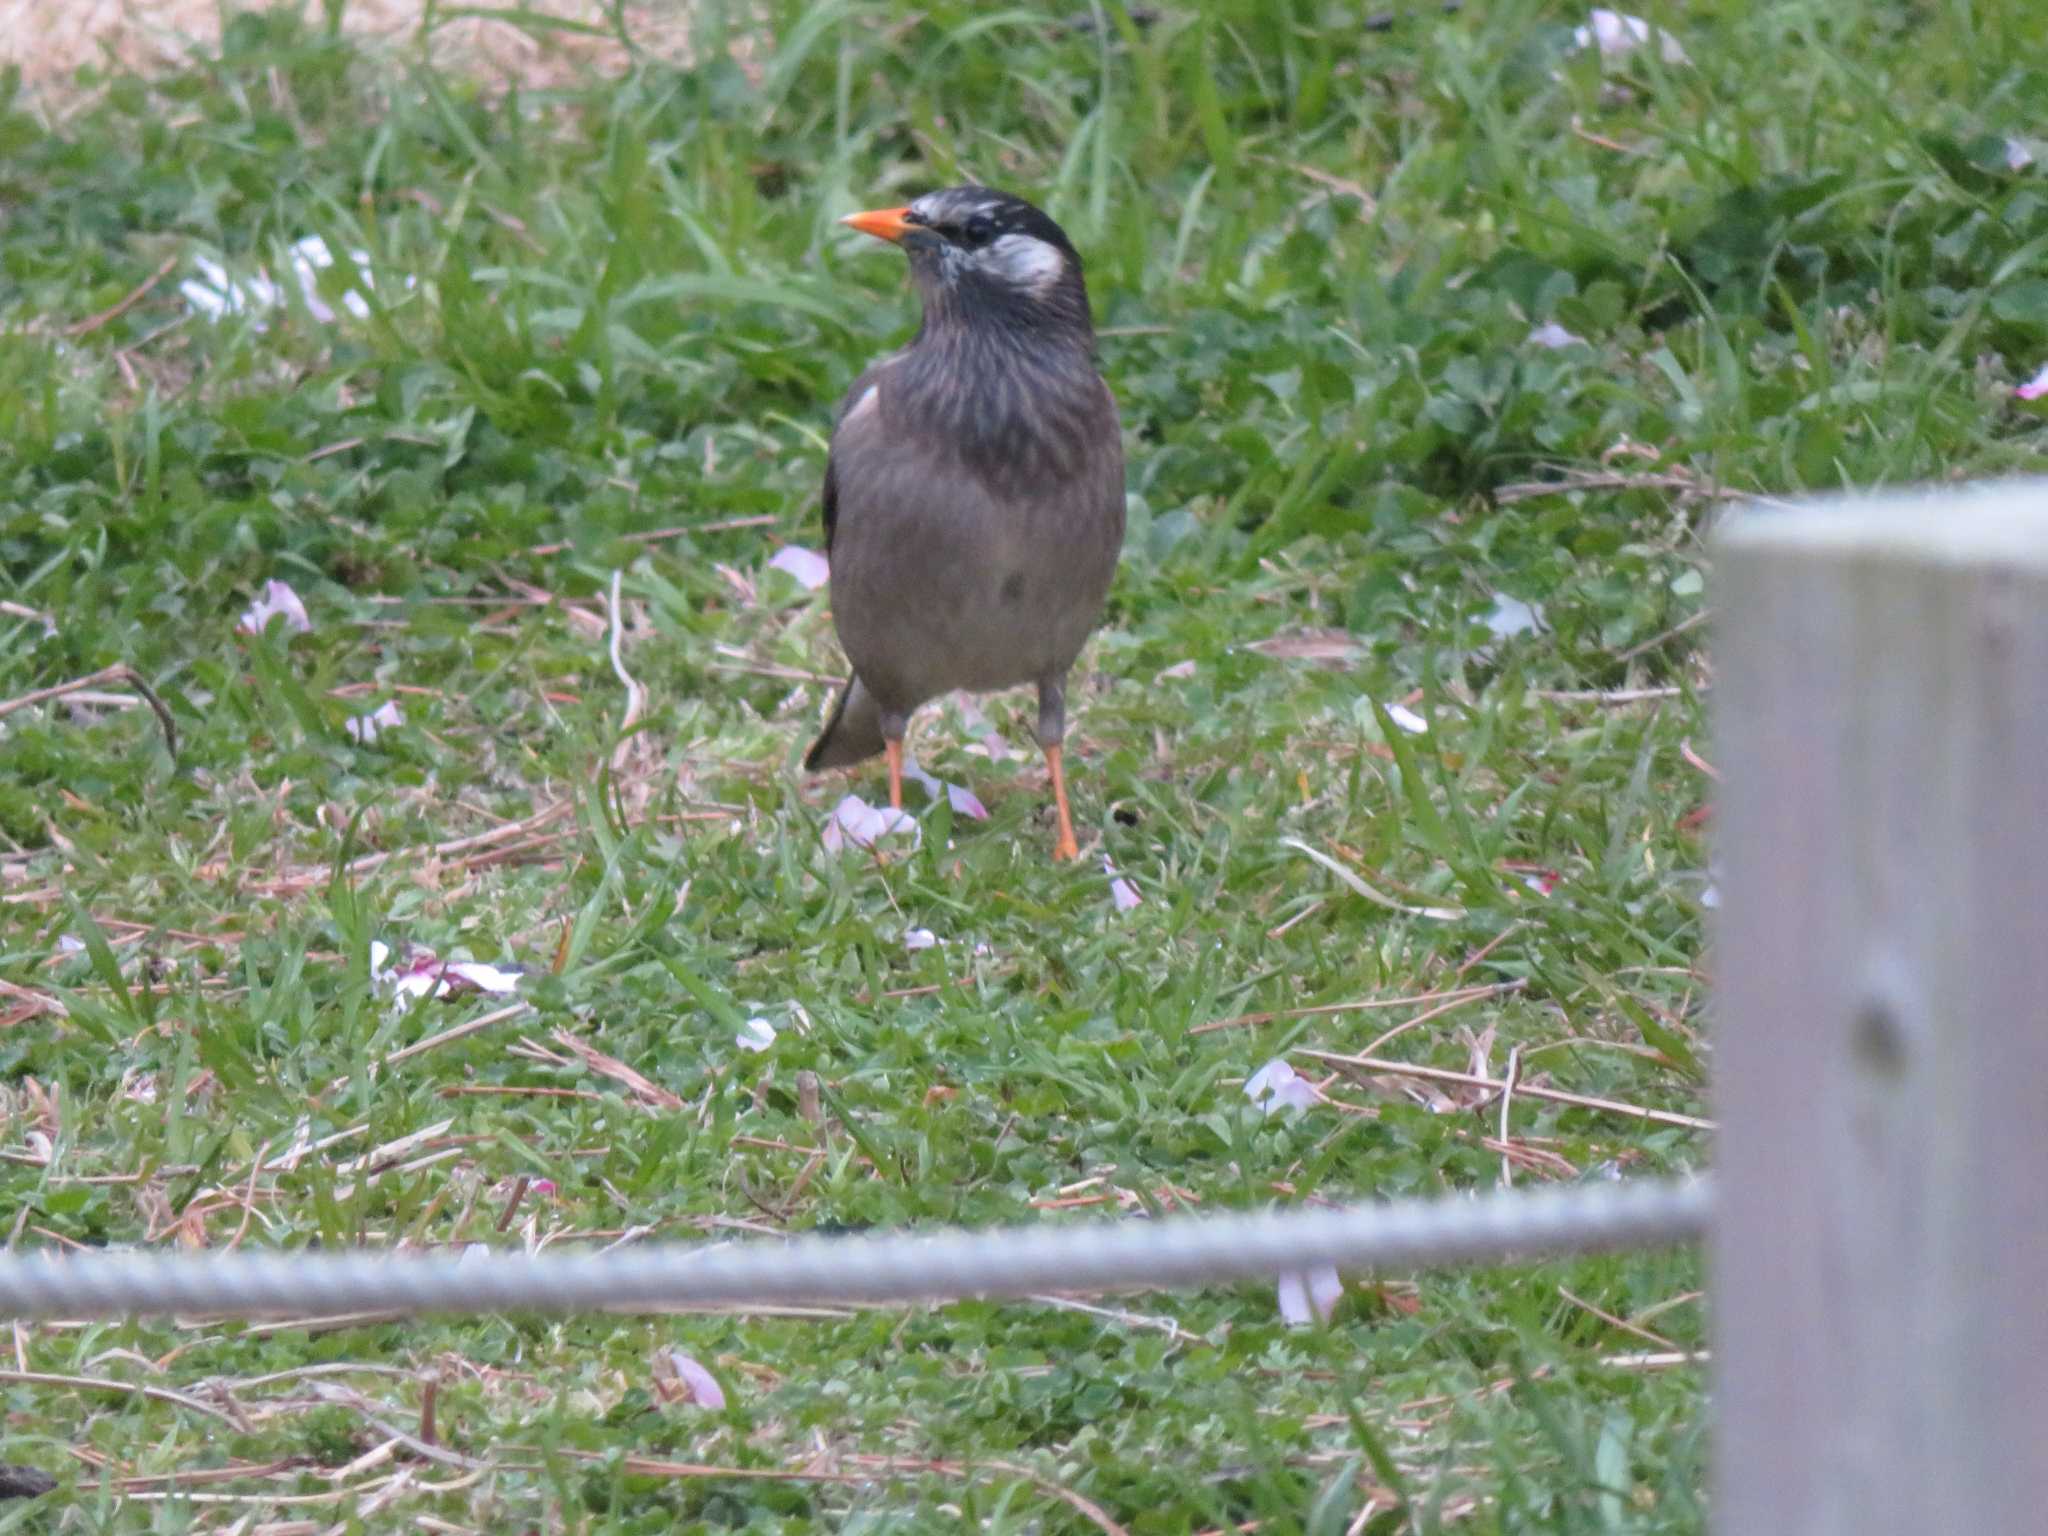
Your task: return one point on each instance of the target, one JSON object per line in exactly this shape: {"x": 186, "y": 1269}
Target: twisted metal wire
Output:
{"x": 1017, "y": 1261}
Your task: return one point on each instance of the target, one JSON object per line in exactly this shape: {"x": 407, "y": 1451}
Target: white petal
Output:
{"x": 701, "y": 1385}
{"x": 1277, "y": 1086}
{"x": 278, "y": 598}
{"x": 2017, "y": 156}
{"x": 963, "y": 800}
{"x": 367, "y": 728}
{"x": 1618, "y": 35}
{"x": 210, "y": 302}
{"x": 1121, "y": 892}
{"x": 316, "y": 306}
{"x": 1510, "y": 616}
{"x": 1293, "y": 1299}
{"x": 262, "y": 292}
{"x": 418, "y": 984}
{"x": 919, "y": 938}
{"x": 756, "y": 1035}
{"x": 808, "y": 566}
{"x": 2035, "y": 387}
{"x": 1407, "y": 719}
{"x": 1554, "y": 336}
{"x": 1325, "y": 1290}
{"x": 916, "y": 773}
{"x": 855, "y": 822}
{"x": 1306, "y": 1296}
{"x": 484, "y": 977}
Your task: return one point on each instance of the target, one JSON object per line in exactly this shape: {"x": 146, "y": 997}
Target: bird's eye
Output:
{"x": 977, "y": 231}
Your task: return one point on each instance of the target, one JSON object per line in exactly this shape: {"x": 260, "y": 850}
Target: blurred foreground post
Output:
{"x": 1880, "y": 1284}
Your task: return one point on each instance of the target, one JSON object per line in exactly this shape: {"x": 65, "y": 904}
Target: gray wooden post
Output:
{"x": 1880, "y": 1266}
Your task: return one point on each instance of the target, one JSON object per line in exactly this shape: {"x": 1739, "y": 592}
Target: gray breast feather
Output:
{"x": 941, "y": 580}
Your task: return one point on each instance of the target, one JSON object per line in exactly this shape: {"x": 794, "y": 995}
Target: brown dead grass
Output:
{"x": 50, "y": 39}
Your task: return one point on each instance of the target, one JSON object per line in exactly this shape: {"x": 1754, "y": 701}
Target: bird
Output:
{"x": 974, "y": 491}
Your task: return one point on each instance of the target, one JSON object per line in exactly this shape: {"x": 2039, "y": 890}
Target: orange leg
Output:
{"x": 894, "y": 749}
{"x": 1065, "y": 847}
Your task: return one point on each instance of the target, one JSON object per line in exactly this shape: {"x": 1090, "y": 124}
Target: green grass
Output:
{"x": 1799, "y": 263}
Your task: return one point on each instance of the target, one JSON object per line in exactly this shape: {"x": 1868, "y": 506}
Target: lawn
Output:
{"x": 1440, "y": 343}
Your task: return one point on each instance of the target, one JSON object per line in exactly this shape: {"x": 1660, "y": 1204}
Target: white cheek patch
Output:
{"x": 1027, "y": 261}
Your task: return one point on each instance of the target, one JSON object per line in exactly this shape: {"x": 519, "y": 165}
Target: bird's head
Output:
{"x": 980, "y": 256}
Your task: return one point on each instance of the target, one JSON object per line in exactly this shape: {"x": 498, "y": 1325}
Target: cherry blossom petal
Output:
{"x": 1554, "y": 337}
{"x": 679, "y": 1378}
{"x": 1510, "y": 616}
{"x": 277, "y": 600}
{"x": 855, "y": 823}
{"x": 1277, "y": 1086}
{"x": 959, "y": 797}
{"x": 807, "y": 566}
{"x": 1307, "y": 1296}
{"x": 755, "y": 1035}
{"x": 1617, "y": 35}
{"x": 1122, "y": 893}
{"x": 2035, "y": 387}
{"x": 367, "y": 728}
{"x": 499, "y": 979}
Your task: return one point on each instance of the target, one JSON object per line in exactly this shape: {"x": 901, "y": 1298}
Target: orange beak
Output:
{"x": 883, "y": 223}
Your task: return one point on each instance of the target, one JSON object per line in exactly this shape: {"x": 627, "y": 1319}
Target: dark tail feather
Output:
{"x": 853, "y": 734}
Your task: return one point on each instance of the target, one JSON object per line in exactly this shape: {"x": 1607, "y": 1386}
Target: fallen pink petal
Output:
{"x": 1539, "y": 878}
{"x": 422, "y": 973}
{"x": 961, "y": 799}
{"x": 855, "y": 823}
{"x": 755, "y": 1035}
{"x": 1554, "y": 337}
{"x": 2035, "y": 387}
{"x": 278, "y": 600}
{"x": 809, "y": 568}
{"x": 1510, "y": 616}
{"x": 1122, "y": 892}
{"x": 680, "y": 1378}
{"x": 919, "y": 938}
{"x": 367, "y": 728}
{"x": 1277, "y": 1086}
{"x": 484, "y": 978}
{"x": 986, "y": 739}
{"x": 1308, "y": 1296}
{"x": 1617, "y": 35}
